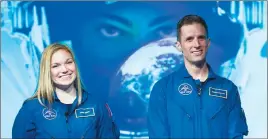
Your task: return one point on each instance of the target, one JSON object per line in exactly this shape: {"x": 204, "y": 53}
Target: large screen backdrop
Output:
{"x": 123, "y": 48}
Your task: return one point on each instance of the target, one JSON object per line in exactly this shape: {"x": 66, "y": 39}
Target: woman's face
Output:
{"x": 63, "y": 70}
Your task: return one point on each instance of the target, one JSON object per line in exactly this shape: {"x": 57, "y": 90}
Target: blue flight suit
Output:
{"x": 91, "y": 119}
{"x": 181, "y": 107}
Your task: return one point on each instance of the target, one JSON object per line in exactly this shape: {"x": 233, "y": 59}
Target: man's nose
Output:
{"x": 196, "y": 42}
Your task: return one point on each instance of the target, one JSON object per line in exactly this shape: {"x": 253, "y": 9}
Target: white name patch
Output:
{"x": 84, "y": 112}
{"x": 218, "y": 92}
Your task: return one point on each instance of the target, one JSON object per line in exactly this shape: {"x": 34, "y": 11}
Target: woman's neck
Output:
{"x": 66, "y": 95}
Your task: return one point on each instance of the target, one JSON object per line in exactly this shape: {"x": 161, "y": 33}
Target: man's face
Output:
{"x": 193, "y": 43}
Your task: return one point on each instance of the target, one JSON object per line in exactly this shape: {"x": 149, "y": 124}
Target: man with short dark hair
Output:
{"x": 194, "y": 102}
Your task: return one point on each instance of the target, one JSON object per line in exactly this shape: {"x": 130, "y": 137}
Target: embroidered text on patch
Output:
{"x": 84, "y": 112}
{"x": 218, "y": 92}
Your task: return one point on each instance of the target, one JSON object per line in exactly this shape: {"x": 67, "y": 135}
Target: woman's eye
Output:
{"x": 110, "y": 31}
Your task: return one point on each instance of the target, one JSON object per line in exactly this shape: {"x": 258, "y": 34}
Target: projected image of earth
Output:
{"x": 133, "y": 83}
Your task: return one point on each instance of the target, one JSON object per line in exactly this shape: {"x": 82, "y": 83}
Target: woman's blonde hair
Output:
{"x": 45, "y": 88}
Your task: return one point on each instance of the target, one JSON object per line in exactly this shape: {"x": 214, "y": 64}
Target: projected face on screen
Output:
{"x": 119, "y": 31}
{"x": 125, "y": 29}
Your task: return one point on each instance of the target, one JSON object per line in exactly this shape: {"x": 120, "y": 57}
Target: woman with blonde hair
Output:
{"x": 61, "y": 108}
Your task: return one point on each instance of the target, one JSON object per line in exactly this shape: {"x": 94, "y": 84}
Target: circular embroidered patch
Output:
{"x": 185, "y": 89}
{"x": 49, "y": 114}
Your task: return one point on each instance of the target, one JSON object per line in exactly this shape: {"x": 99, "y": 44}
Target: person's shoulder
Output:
{"x": 96, "y": 101}
{"x": 30, "y": 104}
{"x": 229, "y": 86}
{"x": 167, "y": 78}
{"x": 162, "y": 83}
{"x": 226, "y": 82}
{"x": 30, "y": 101}
{"x": 93, "y": 98}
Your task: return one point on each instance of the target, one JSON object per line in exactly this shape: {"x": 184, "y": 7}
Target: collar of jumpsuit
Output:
{"x": 184, "y": 73}
{"x": 71, "y": 107}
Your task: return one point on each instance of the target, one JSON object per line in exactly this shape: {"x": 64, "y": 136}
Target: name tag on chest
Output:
{"x": 84, "y": 112}
{"x": 221, "y": 93}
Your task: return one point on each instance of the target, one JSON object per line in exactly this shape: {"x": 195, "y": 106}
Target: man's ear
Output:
{"x": 178, "y": 46}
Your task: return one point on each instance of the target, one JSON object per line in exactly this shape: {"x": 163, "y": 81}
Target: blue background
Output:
{"x": 123, "y": 48}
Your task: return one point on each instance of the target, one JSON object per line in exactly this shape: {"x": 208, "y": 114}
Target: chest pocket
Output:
{"x": 86, "y": 118}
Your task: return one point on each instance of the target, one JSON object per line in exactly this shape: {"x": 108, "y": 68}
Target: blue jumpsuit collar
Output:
{"x": 74, "y": 105}
{"x": 183, "y": 71}
{"x": 84, "y": 96}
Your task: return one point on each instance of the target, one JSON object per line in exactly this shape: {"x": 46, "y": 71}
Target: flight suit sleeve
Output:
{"x": 107, "y": 126}
{"x": 237, "y": 120}
{"x": 157, "y": 113}
{"x": 23, "y": 126}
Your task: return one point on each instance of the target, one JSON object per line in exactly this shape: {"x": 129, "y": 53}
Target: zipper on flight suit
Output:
{"x": 199, "y": 86}
{"x": 67, "y": 121}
